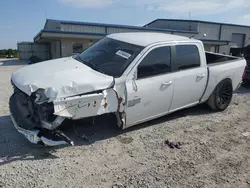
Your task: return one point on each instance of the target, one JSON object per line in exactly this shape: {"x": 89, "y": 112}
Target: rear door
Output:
{"x": 190, "y": 76}
{"x": 150, "y": 95}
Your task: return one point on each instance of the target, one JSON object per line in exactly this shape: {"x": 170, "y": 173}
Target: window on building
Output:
{"x": 158, "y": 61}
{"x": 77, "y": 48}
{"x": 187, "y": 56}
{"x": 217, "y": 49}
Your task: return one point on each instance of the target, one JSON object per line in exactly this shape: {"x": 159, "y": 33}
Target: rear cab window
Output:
{"x": 186, "y": 57}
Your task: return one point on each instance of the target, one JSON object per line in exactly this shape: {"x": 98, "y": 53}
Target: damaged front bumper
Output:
{"x": 35, "y": 136}
{"x": 31, "y": 135}
{"x": 39, "y": 120}
{"x": 31, "y": 122}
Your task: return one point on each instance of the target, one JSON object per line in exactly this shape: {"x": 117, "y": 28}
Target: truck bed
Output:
{"x": 214, "y": 58}
{"x": 221, "y": 67}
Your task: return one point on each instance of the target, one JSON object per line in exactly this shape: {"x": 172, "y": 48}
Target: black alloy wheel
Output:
{"x": 222, "y": 96}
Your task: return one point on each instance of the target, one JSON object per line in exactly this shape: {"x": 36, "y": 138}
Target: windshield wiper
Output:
{"x": 77, "y": 57}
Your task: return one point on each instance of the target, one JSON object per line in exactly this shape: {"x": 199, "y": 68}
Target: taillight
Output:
{"x": 244, "y": 73}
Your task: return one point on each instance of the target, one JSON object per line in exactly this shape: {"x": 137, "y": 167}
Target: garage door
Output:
{"x": 237, "y": 40}
{"x": 28, "y": 49}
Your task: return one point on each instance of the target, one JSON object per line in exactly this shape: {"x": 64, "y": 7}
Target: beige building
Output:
{"x": 64, "y": 38}
{"x": 217, "y": 37}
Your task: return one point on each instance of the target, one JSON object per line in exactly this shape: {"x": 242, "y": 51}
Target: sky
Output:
{"x": 22, "y": 20}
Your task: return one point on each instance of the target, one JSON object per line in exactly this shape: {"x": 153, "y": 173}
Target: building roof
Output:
{"x": 117, "y": 26}
{"x": 138, "y": 28}
{"x": 147, "y": 38}
{"x": 198, "y": 21}
{"x": 60, "y": 33}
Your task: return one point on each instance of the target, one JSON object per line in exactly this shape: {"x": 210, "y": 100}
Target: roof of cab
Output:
{"x": 147, "y": 38}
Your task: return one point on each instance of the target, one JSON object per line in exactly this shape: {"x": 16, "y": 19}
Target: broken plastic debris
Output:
{"x": 173, "y": 145}
{"x": 49, "y": 142}
{"x": 246, "y": 134}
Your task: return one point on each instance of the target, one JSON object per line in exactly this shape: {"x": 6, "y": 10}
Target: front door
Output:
{"x": 150, "y": 95}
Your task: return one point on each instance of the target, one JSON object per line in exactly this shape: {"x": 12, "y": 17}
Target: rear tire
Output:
{"x": 221, "y": 96}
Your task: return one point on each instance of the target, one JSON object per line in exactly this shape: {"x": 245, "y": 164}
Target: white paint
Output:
{"x": 109, "y": 103}
{"x": 217, "y": 72}
{"x": 147, "y": 38}
{"x": 189, "y": 85}
{"x": 187, "y": 89}
{"x": 60, "y": 78}
{"x": 155, "y": 98}
{"x": 1, "y": 63}
{"x": 87, "y": 105}
{"x": 152, "y": 97}
{"x": 71, "y": 107}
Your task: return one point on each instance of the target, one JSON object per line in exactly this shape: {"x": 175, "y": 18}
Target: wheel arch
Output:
{"x": 224, "y": 79}
{"x": 227, "y": 78}
{"x": 221, "y": 96}
{"x": 211, "y": 86}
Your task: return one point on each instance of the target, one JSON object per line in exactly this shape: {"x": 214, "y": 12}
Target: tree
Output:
{"x": 3, "y": 52}
{"x": 10, "y": 51}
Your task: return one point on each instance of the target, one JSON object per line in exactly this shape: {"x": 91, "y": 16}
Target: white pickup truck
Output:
{"x": 136, "y": 76}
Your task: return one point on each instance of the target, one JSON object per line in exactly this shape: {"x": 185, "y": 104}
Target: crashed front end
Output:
{"x": 47, "y": 93}
{"x": 35, "y": 119}
{"x": 39, "y": 120}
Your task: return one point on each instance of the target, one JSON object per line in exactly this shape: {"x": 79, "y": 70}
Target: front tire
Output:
{"x": 221, "y": 96}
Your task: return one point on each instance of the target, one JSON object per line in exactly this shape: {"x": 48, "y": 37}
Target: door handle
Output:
{"x": 166, "y": 83}
{"x": 201, "y": 76}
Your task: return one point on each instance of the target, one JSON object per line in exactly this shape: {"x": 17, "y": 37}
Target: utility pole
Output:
{"x": 189, "y": 17}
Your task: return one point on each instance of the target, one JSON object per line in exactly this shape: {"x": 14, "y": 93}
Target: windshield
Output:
{"x": 109, "y": 56}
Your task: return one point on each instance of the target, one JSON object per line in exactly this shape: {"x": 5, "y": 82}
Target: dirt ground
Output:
{"x": 215, "y": 150}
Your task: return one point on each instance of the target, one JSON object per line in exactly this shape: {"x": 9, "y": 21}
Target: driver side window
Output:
{"x": 157, "y": 61}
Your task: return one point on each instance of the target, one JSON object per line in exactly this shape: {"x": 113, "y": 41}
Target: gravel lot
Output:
{"x": 215, "y": 150}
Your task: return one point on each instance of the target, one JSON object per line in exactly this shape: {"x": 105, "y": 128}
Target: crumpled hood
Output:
{"x": 60, "y": 78}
